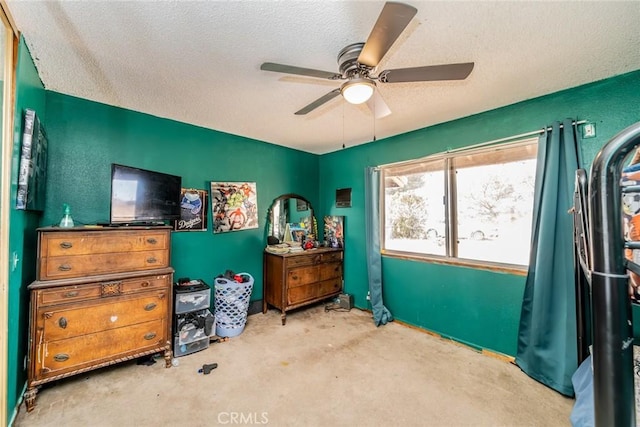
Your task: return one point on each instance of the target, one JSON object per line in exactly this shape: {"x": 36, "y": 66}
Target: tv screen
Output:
{"x": 143, "y": 196}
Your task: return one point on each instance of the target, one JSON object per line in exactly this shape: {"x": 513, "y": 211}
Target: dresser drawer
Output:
{"x": 300, "y": 260}
{"x": 301, "y": 294}
{"x": 61, "y": 323}
{"x": 302, "y": 276}
{"x": 146, "y": 283}
{"x": 71, "y": 254}
{"x": 89, "y": 291}
{"x": 329, "y": 287}
{"x": 55, "y": 357}
{"x": 55, "y": 244}
{"x": 65, "y": 267}
{"x": 329, "y": 271}
{"x": 68, "y": 294}
{"x": 314, "y": 291}
{"x": 331, "y": 257}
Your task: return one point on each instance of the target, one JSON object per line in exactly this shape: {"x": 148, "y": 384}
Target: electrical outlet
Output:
{"x": 589, "y": 130}
{"x": 369, "y": 296}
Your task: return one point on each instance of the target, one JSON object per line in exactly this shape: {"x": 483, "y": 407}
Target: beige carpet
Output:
{"x": 320, "y": 369}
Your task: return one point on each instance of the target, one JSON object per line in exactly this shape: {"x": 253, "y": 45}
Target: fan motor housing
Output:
{"x": 348, "y": 59}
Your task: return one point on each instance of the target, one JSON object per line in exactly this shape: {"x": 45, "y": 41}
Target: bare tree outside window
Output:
{"x": 487, "y": 205}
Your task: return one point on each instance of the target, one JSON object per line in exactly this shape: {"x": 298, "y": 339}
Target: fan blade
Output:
{"x": 290, "y": 69}
{"x": 392, "y": 21}
{"x": 427, "y": 74}
{"x": 378, "y": 107}
{"x": 318, "y": 102}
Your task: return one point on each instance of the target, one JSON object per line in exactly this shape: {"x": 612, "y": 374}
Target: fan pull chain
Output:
{"x": 343, "y": 101}
{"x": 374, "y": 118}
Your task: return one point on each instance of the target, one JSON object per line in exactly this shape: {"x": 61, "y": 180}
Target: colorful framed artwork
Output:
{"x": 298, "y": 234}
{"x": 234, "y": 206}
{"x": 334, "y": 231}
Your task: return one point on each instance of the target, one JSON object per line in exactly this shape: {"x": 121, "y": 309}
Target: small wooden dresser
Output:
{"x": 102, "y": 296}
{"x": 294, "y": 280}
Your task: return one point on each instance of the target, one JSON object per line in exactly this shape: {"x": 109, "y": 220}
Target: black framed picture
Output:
{"x": 32, "y": 175}
{"x": 343, "y": 198}
{"x": 301, "y": 205}
{"x": 193, "y": 210}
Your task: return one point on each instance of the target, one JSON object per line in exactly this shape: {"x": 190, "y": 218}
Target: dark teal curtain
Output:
{"x": 547, "y": 348}
{"x": 381, "y": 315}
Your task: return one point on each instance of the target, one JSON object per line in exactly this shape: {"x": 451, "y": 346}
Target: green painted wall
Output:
{"x": 86, "y": 137}
{"x": 30, "y": 93}
{"x": 480, "y": 308}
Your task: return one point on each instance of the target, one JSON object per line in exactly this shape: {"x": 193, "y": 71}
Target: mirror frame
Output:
{"x": 286, "y": 197}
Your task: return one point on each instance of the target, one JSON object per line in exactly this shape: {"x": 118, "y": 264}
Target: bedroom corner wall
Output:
{"x": 478, "y": 307}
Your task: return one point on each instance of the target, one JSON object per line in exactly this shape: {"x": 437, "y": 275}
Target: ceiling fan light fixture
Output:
{"x": 357, "y": 90}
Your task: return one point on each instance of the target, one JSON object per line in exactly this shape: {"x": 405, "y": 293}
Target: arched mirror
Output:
{"x": 291, "y": 218}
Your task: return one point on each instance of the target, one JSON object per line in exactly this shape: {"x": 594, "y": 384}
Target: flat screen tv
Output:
{"x": 140, "y": 196}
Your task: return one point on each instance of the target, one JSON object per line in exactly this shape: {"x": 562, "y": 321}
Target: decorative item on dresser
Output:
{"x": 295, "y": 280}
{"x": 102, "y": 296}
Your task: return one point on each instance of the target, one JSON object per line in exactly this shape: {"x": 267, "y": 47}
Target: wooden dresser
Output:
{"x": 297, "y": 279}
{"x": 102, "y": 296}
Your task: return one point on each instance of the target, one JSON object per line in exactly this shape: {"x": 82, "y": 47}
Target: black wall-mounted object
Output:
{"x": 343, "y": 198}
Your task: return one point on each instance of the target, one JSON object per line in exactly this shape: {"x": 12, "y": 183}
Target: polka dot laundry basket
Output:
{"x": 232, "y": 304}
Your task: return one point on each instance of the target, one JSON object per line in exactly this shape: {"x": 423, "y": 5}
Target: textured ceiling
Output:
{"x": 199, "y": 62}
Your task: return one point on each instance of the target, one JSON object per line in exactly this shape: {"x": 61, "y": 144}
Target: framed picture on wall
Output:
{"x": 234, "y": 206}
{"x": 32, "y": 175}
{"x": 301, "y": 205}
{"x": 334, "y": 231}
{"x": 193, "y": 210}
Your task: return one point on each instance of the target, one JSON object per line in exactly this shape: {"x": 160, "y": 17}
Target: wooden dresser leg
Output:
{"x": 168, "y": 355}
{"x": 283, "y": 316}
{"x": 30, "y": 398}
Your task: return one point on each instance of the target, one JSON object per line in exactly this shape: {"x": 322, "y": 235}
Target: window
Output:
{"x": 473, "y": 205}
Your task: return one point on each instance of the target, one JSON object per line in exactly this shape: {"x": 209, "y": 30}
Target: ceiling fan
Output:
{"x": 357, "y": 61}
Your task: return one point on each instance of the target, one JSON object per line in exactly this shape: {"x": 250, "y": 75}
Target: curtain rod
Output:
{"x": 509, "y": 138}
{"x": 482, "y": 144}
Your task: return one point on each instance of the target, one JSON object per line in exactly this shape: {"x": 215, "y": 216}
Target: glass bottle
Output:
{"x": 66, "y": 221}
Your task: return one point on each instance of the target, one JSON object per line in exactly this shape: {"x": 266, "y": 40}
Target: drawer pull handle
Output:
{"x": 61, "y": 357}
{"x": 294, "y": 277}
{"x": 149, "y": 336}
{"x": 66, "y": 245}
{"x": 62, "y": 322}
{"x": 150, "y": 306}
{"x": 64, "y": 267}
{"x": 145, "y": 284}
{"x": 152, "y": 260}
{"x": 152, "y": 241}
{"x": 70, "y": 294}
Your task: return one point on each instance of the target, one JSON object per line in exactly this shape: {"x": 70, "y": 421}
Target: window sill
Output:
{"x": 518, "y": 270}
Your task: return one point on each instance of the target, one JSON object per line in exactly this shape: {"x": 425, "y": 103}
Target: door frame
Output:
{"x": 8, "y": 104}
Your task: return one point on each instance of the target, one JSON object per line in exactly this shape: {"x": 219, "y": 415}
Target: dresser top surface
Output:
{"x": 305, "y": 252}
{"x": 106, "y": 228}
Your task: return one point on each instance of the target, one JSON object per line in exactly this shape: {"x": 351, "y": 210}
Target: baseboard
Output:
{"x": 485, "y": 352}
{"x": 255, "y": 307}
{"x": 16, "y": 410}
